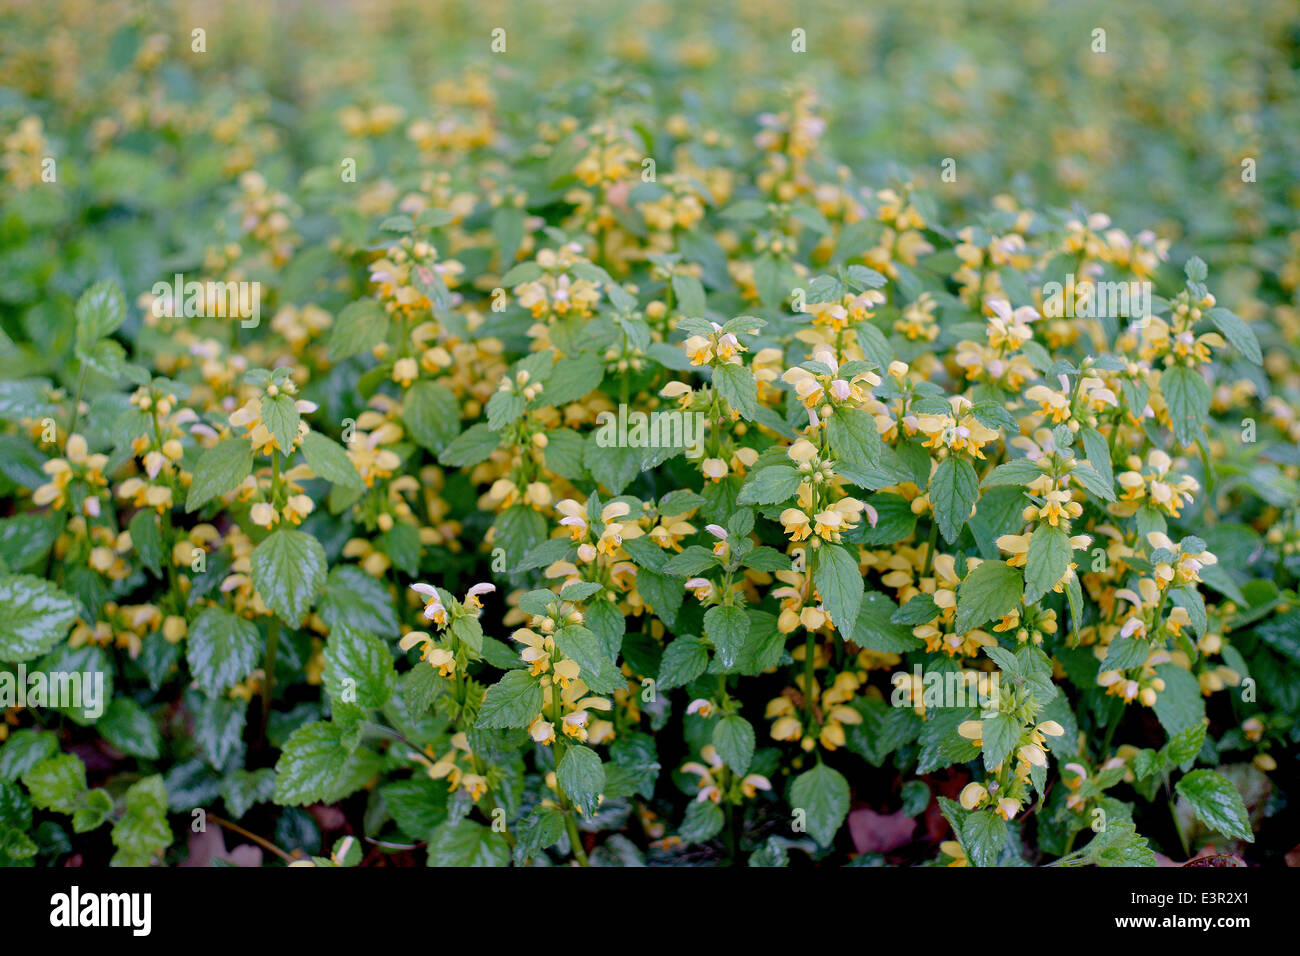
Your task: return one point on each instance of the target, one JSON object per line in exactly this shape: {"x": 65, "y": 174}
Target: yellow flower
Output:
{"x": 795, "y": 523}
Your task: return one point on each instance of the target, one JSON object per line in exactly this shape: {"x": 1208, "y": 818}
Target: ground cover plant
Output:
{"x": 649, "y": 435}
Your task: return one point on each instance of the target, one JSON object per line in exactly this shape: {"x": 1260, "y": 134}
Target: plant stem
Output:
{"x": 1178, "y": 827}
{"x": 76, "y": 402}
{"x": 934, "y": 543}
{"x": 268, "y": 681}
{"x": 264, "y": 843}
{"x": 731, "y": 830}
{"x": 809, "y": 662}
{"x": 566, "y": 808}
{"x": 1110, "y": 730}
{"x": 575, "y": 839}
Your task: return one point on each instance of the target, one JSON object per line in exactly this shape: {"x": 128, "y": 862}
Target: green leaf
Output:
{"x": 1180, "y": 705}
{"x": 598, "y": 670}
{"x": 1185, "y": 745}
{"x": 606, "y": 621}
{"x": 684, "y": 659}
{"x": 1125, "y": 653}
{"x": 764, "y": 558}
{"x": 954, "y": 488}
{"x": 854, "y": 438}
{"x": 129, "y": 728}
{"x": 1092, "y": 482}
{"x": 359, "y": 328}
{"x": 472, "y": 446}
{"x": 733, "y": 738}
{"x": 503, "y": 409}
{"x": 34, "y": 616}
{"x": 823, "y": 795}
{"x": 93, "y": 809}
{"x": 220, "y": 469}
{"x": 746, "y": 209}
{"x": 690, "y": 294}
{"x": 839, "y": 582}
{"x": 564, "y": 453}
{"x": 418, "y": 804}
{"x": 726, "y": 628}
{"x": 281, "y": 417}
{"x": 142, "y": 833}
{"x": 218, "y": 727}
{"x": 100, "y": 311}
{"x": 1237, "y": 332}
{"x": 222, "y": 649}
{"x": 1188, "y": 396}
{"x": 431, "y": 413}
{"x": 989, "y": 592}
{"x": 358, "y": 600}
{"x": 984, "y": 837}
{"x": 329, "y": 461}
{"x": 736, "y": 384}
{"x": 875, "y": 629}
{"x": 1047, "y": 562}
{"x": 769, "y": 486}
{"x": 703, "y": 821}
{"x": 691, "y": 561}
{"x": 921, "y": 609}
{"x": 614, "y": 467}
{"x": 1018, "y": 472}
{"x": 25, "y": 749}
{"x": 513, "y": 701}
{"x": 401, "y": 543}
{"x": 662, "y": 593}
{"x": 359, "y": 668}
{"x": 573, "y": 379}
{"x": 146, "y": 539}
{"x": 542, "y": 828}
{"x": 466, "y": 843}
{"x": 1119, "y": 845}
{"x": 517, "y": 531}
{"x": 316, "y": 766}
{"x": 289, "y": 572}
{"x": 580, "y": 590}
{"x": 56, "y": 783}
{"x": 581, "y": 776}
{"x": 999, "y": 736}
{"x": 469, "y": 631}
{"x": 1098, "y": 453}
{"x": 26, "y": 539}
{"x": 1216, "y": 803}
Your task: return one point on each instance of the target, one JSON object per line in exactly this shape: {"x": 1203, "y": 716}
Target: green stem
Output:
{"x": 566, "y": 808}
{"x": 1178, "y": 827}
{"x": 809, "y": 662}
{"x": 934, "y": 543}
{"x": 575, "y": 839}
{"x": 76, "y": 402}
{"x": 268, "y": 681}
{"x": 732, "y": 832}
{"x": 1110, "y": 730}
{"x": 1069, "y": 843}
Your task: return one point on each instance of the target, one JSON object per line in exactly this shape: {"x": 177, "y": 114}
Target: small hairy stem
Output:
{"x": 268, "y": 680}
{"x": 260, "y": 841}
{"x": 76, "y": 402}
